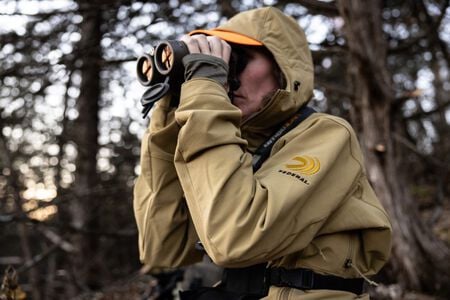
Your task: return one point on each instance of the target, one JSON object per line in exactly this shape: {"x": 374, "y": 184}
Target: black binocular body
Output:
{"x": 165, "y": 60}
{"x": 162, "y": 71}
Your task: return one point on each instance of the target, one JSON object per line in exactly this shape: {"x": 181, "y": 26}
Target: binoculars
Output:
{"x": 166, "y": 58}
{"x": 161, "y": 70}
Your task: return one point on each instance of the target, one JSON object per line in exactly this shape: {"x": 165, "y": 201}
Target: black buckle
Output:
{"x": 248, "y": 280}
{"x": 285, "y": 279}
{"x": 297, "y": 278}
{"x": 306, "y": 279}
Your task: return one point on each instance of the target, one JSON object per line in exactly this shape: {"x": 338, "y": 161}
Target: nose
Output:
{"x": 234, "y": 85}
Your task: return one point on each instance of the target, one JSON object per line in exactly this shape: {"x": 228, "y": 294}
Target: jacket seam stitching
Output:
{"x": 188, "y": 176}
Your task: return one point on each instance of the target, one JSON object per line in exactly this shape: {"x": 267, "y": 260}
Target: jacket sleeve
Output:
{"x": 244, "y": 218}
{"x": 166, "y": 233}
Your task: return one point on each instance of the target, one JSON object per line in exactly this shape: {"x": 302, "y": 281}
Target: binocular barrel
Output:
{"x": 168, "y": 56}
{"x": 166, "y": 60}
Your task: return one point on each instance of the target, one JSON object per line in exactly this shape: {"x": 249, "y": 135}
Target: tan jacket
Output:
{"x": 309, "y": 205}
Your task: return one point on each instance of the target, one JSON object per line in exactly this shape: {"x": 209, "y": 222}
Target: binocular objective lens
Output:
{"x": 147, "y": 69}
{"x": 167, "y": 57}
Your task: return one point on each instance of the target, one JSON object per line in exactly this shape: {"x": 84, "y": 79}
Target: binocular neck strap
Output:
{"x": 263, "y": 152}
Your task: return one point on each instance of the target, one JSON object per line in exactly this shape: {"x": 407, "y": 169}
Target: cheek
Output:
{"x": 259, "y": 71}
{"x": 257, "y": 78}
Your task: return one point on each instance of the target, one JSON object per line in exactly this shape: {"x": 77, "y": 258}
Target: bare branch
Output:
{"x": 57, "y": 240}
{"x": 431, "y": 160}
{"x": 11, "y": 260}
{"x": 319, "y": 7}
{"x": 334, "y": 88}
{"x": 430, "y": 112}
{"x": 37, "y": 259}
{"x": 433, "y": 28}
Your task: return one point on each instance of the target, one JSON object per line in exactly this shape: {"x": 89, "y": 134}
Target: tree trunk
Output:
{"x": 419, "y": 260}
{"x": 83, "y": 208}
{"x": 22, "y": 229}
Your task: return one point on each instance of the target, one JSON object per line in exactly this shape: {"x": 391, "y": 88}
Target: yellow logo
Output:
{"x": 306, "y": 165}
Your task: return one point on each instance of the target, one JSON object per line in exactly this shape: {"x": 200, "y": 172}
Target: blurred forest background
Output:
{"x": 70, "y": 128}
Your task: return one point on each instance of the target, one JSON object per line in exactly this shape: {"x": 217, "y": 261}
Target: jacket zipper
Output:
{"x": 351, "y": 247}
{"x": 349, "y": 262}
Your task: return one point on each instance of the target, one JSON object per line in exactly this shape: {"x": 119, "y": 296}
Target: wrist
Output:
{"x": 201, "y": 65}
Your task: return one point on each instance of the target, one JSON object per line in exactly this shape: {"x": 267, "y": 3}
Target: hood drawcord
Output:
{"x": 349, "y": 264}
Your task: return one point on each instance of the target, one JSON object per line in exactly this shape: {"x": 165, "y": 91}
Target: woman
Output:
{"x": 307, "y": 211}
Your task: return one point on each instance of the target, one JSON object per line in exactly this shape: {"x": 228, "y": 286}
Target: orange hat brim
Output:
{"x": 229, "y": 36}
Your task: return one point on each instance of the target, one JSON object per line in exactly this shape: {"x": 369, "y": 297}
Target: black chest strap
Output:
{"x": 254, "y": 281}
{"x": 263, "y": 152}
{"x": 305, "y": 279}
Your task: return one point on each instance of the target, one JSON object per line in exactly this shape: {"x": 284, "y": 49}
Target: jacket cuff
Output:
{"x": 201, "y": 65}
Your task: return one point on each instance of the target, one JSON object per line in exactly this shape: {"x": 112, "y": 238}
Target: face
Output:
{"x": 258, "y": 82}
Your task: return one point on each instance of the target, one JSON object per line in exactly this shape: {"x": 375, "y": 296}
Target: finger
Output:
{"x": 202, "y": 43}
{"x": 191, "y": 43}
{"x": 215, "y": 45}
{"x": 226, "y": 51}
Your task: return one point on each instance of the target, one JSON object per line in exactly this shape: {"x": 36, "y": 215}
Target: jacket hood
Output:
{"x": 284, "y": 38}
